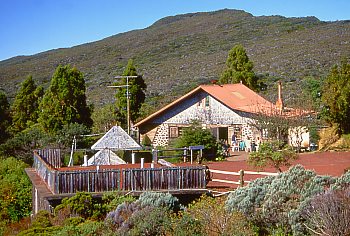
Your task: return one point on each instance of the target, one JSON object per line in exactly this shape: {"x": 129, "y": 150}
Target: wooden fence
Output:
{"x": 241, "y": 175}
{"x": 99, "y": 180}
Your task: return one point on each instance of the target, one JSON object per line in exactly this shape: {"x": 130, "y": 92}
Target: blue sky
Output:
{"x": 31, "y": 26}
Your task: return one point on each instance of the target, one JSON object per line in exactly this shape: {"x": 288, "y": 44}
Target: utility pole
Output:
{"x": 127, "y": 94}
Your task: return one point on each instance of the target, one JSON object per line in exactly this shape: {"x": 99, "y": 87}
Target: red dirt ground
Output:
{"x": 323, "y": 163}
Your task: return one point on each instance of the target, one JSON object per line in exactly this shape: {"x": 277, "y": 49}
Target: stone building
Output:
{"x": 224, "y": 109}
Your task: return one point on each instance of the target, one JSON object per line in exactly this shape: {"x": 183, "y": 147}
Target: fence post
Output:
{"x": 85, "y": 160}
{"x": 133, "y": 160}
{"x": 155, "y": 155}
{"x": 185, "y": 154}
{"x": 241, "y": 178}
{"x": 142, "y": 162}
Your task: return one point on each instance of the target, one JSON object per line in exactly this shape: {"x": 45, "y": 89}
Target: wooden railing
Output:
{"x": 46, "y": 171}
{"x": 61, "y": 181}
{"x": 88, "y": 181}
{"x": 51, "y": 156}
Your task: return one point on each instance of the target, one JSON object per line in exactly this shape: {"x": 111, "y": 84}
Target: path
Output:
{"x": 325, "y": 163}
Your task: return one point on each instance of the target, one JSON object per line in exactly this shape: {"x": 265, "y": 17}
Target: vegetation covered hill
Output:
{"x": 179, "y": 52}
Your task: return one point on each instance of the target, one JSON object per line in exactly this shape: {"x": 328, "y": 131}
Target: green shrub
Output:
{"x": 53, "y": 230}
{"x": 277, "y": 202}
{"x": 149, "y": 221}
{"x": 111, "y": 200}
{"x": 342, "y": 182}
{"x": 272, "y": 153}
{"x": 15, "y": 190}
{"x": 196, "y": 135}
{"x": 74, "y": 221}
{"x": 146, "y": 141}
{"x": 82, "y": 204}
{"x": 186, "y": 225}
{"x": 86, "y": 228}
{"x": 154, "y": 199}
{"x": 41, "y": 220}
{"x": 215, "y": 219}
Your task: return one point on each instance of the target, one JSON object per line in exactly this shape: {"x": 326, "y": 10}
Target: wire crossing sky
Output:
{"x": 28, "y": 27}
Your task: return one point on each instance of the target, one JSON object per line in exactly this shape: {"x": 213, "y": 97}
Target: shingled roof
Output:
{"x": 116, "y": 139}
{"x": 105, "y": 157}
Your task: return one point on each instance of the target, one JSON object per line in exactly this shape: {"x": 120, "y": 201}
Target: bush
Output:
{"x": 277, "y": 202}
{"x": 42, "y": 220}
{"x": 196, "y": 135}
{"x": 118, "y": 219}
{"x": 146, "y": 141}
{"x": 82, "y": 204}
{"x": 154, "y": 199}
{"x": 274, "y": 154}
{"x": 85, "y": 228}
{"x": 186, "y": 225}
{"x": 329, "y": 213}
{"x": 53, "y": 230}
{"x": 15, "y": 191}
{"x": 149, "y": 221}
{"x": 74, "y": 221}
{"x": 215, "y": 219}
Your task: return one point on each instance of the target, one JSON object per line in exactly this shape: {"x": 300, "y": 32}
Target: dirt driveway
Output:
{"x": 323, "y": 163}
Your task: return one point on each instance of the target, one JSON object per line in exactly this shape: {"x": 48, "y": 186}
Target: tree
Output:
{"x": 22, "y": 144}
{"x": 336, "y": 96}
{"x": 25, "y": 109}
{"x": 104, "y": 118}
{"x": 285, "y": 125}
{"x": 136, "y": 93}
{"x": 239, "y": 68}
{"x": 65, "y": 101}
{"x": 196, "y": 135}
{"x": 5, "y": 118}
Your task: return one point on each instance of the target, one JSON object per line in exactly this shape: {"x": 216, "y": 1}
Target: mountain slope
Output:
{"x": 177, "y": 53}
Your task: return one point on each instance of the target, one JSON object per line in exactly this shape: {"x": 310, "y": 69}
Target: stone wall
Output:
{"x": 201, "y": 107}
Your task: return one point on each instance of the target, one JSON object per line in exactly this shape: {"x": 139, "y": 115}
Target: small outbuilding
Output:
{"x": 105, "y": 157}
{"x": 115, "y": 139}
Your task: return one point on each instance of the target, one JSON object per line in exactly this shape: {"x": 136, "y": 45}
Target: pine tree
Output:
{"x": 239, "y": 68}
{"x": 65, "y": 101}
{"x": 25, "y": 109}
{"x": 336, "y": 96}
{"x": 136, "y": 93}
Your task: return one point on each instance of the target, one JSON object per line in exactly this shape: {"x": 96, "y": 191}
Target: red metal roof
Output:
{"x": 238, "y": 97}
{"x": 235, "y": 96}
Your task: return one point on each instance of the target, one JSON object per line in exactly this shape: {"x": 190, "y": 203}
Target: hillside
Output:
{"x": 179, "y": 52}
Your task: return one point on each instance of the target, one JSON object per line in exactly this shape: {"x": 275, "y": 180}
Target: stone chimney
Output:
{"x": 279, "y": 102}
